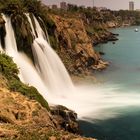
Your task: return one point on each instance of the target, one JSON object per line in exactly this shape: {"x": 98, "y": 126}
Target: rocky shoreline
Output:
{"x": 65, "y": 118}
{"x": 104, "y": 38}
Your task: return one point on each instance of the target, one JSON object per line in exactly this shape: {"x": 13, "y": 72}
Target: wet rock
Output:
{"x": 66, "y": 119}
{"x": 90, "y": 61}
{"x": 104, "y": 38}
{"x": 101, "y": 53}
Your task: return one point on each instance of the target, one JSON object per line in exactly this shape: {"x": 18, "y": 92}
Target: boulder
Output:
{"x": 66, "y": 119}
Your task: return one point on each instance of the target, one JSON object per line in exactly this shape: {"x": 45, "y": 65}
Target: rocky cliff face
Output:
{"x": 66, "y": 119}
{"x": 75, "y": 46}
{"x": 23, "y": 118}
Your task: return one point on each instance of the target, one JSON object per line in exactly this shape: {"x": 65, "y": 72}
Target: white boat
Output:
{"x": 136, "y": 30}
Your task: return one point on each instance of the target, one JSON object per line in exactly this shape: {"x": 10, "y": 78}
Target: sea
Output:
{"x": 124, "y": 74}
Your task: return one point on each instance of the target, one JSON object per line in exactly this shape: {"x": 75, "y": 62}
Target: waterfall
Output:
{"x": 48, "y": 63}
{"x": 51, "y": 68}
{"x": 50, "y": 75}
{"x": 52, "y": 80}
{"x": 32, "y": 27}
{"x": 46, "y": 32}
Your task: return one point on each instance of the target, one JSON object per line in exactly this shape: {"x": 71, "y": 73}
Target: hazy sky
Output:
{"x": 111, "y": 4}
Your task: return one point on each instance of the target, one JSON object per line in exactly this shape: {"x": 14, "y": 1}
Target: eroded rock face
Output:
{"x": 76, "y": 48}
{"x": 17, "y": 109}
{"x": 18, "y": 114}
{"x": 104, "y": 37}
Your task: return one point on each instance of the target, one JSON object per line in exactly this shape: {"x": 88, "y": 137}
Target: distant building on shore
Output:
{"x": 63, "y": 5}
{"x": 131, "y": 5}
{"x": 138, "y": 10}
{"x": 54, "y": 7}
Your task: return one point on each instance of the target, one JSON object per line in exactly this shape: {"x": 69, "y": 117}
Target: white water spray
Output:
{"x": 91, "y": 102}
{"x": 98, "y": 102}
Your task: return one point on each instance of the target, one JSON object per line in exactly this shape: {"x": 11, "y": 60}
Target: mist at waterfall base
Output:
{"x": 96, "y": 104}
{"x": 124, "y": 72}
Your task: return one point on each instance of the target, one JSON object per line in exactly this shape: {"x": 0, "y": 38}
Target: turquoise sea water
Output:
{"x": 124, "y": 58}
{"x": 124, "y": 72}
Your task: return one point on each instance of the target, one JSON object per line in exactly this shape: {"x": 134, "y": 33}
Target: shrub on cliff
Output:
{"x": 33, "y": 6}
{"x": 16, "y": 9}
{"x": 29, "y": 91}
{"x": 9, "y": 69}
{"x": 12, "y": 6}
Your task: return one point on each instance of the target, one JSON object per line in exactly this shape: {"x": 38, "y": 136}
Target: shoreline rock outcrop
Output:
{"x": 66, "y": 119}
{"x": 104, "y": 38}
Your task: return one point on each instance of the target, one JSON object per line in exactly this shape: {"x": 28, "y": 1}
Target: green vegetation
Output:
{"x": 95, "y": 20}
{"x": 23, "y": 34}
{"x": 9, "y": 69}
{"x": 16, "y": 9}
{"x": 27, "y": 134}
{"x": 16, "y": 6}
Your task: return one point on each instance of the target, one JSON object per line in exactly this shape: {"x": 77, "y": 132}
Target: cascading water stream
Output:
{"x": 32, "y": 27}
{"x": 46, "y": 32}
{"x": 53, "y": 70}
{"x": 40, "y": 32}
